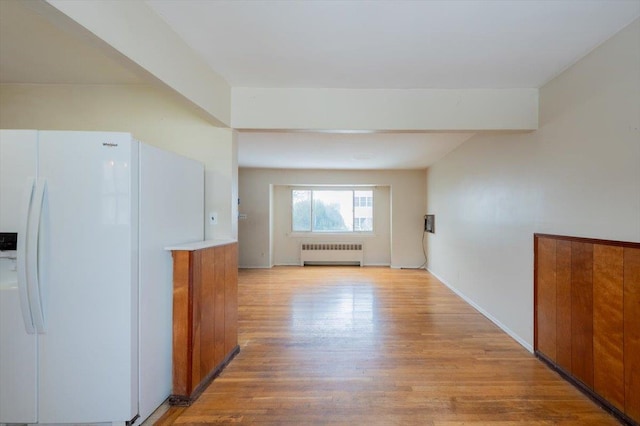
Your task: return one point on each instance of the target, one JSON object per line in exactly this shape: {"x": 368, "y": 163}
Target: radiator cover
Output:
{"x": 331, "y": 254}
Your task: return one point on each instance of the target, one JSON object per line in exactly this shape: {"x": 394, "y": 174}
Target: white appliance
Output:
{"x": 85, "y": 300}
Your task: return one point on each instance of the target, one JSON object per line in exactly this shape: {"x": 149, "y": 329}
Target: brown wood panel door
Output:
{"x": 582, "y": 312}
{"x": 608, "y": 361}
{"x": 563, "y": 304}
{"x": 546, "y": 297}
{"x": 632, "y": 332}
{"x": 219, "y": 283}
{"x": 231, "y": 299}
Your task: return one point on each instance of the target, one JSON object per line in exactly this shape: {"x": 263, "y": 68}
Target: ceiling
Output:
{"x": 394, "y": 43}
{"x": 336, "y": 44}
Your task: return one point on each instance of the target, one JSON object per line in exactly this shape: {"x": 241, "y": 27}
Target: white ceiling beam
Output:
{"x": 385, "y": 110}
{"x": 137, "y": 32}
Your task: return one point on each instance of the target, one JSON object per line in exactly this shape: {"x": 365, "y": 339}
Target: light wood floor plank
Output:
{"x": 377, "y": 346}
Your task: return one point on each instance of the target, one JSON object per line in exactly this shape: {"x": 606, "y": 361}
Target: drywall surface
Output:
{"x": 258, "y": 195}
{"x": 579, "y": 175}
{"x": 151, "y": 115}
{"x": 175, "y": 64}
{"x": 390, "y": 109}
{"x": 234, "y": 185}
{"x": 376, "y": 245}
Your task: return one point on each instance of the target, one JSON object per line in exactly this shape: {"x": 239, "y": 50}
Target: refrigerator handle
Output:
{"x": 33, "y": 271}
{"x": 23, "y": 292}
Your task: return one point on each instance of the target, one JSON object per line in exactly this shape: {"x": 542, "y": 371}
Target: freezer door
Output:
{"x": 18, "y": 351}
{"x": 88, "y": 273}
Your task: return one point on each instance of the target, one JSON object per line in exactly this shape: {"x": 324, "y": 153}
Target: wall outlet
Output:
{"x": 213, "y": 218}
{"x": 430, "y": 223}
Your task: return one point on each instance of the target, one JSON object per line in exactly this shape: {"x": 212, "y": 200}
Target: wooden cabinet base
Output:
{"x": 186, "y": 400}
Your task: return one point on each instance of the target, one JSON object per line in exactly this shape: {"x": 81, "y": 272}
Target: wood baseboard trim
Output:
{"x": 187, "y": 400}
{"x": 607, "y": 406}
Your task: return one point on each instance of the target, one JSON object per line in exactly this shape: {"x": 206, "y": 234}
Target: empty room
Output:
{"x": 320, "y": 212}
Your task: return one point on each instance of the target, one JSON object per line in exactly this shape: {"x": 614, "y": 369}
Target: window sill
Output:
{"x": 331, "y": 234}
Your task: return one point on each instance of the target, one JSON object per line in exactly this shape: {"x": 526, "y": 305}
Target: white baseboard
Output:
{"x": 490, "y": 317}
{"x": 254, "y": 267}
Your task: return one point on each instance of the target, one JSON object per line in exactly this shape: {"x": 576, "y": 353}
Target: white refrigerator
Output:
{"x": 85, "y": 297}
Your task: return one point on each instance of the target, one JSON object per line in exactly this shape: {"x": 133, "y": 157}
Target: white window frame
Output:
{"x": 334, "y": 188}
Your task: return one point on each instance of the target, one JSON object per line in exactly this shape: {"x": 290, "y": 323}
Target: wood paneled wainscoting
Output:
{"x": 205, "y": 315}
{"x": 587, "y": 317}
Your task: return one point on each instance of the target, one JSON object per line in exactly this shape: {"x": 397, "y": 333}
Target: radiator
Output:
{"x": 331, "y": 254}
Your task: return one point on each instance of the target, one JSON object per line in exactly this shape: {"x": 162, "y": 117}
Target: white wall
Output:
{"x": 152, "y": 116}
{"x": 234, "y": 185}
{"x": 136, "y": 32}
{"x": 579, "y": 175}
{"x": 391, "y": 109}
{"x": 377, "y": 246}
{"x": 407, "y": 195}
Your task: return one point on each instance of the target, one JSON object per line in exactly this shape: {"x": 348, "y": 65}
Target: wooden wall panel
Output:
{"x": 231, "y": 298}
{"x": 196, "y": 294}
{"x": 582, "y": 312}
{"x": 181, "y": 323}
{"x": 608, "y": 362}
{"x": 546, "y": 297}
{"x": 632, "y": 332}
{"x": 597, "y": 323}
{"x": 201, "y": 313}
{"x": 219, "y": 283}
{"x": 207, "y": 314}
{"x": 563, "y": 304}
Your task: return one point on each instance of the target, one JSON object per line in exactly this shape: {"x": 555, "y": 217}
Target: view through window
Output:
{"x": 332, "y": 210}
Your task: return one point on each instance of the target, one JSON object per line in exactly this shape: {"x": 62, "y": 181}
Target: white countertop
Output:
{"x": 199, "y": 245}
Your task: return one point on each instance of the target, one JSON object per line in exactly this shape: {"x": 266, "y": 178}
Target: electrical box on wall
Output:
{"x": 213, "y": 218}
{"x": 430, "y": 223}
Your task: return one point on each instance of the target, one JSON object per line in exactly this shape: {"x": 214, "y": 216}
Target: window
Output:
{"x": 331, "y": 210}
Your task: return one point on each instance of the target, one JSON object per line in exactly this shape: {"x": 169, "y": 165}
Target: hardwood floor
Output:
{"x": 354, "y": 346}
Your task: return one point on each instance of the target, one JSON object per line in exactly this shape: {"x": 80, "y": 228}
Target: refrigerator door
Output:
{"x": 18, "y": 349}
{"x": 88, "y": 269}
